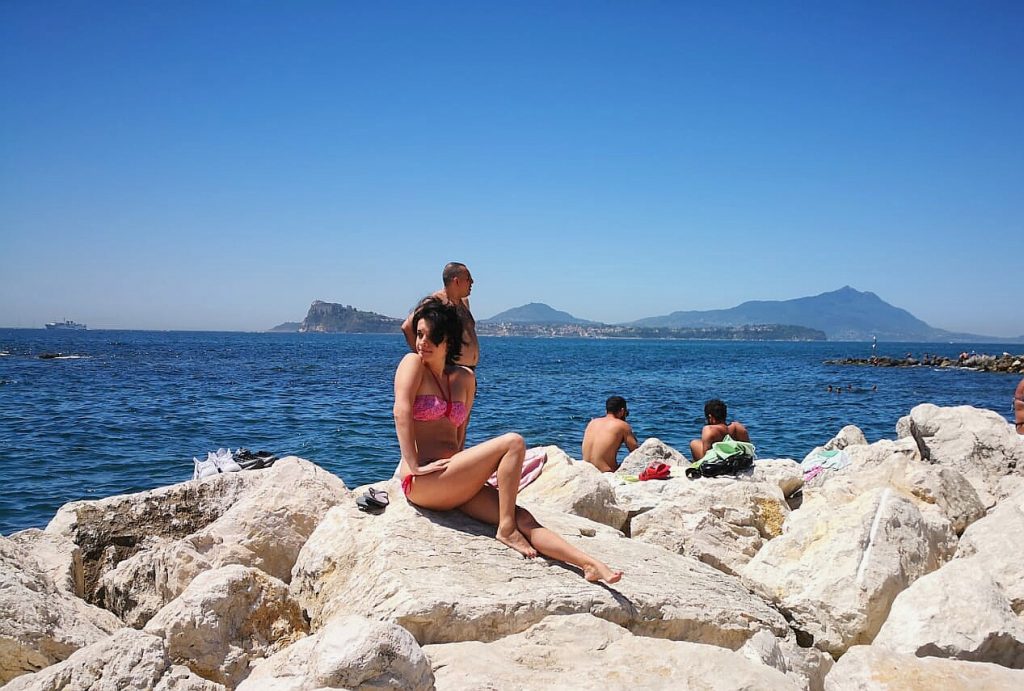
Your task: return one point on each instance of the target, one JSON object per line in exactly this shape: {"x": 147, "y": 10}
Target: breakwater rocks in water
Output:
{"x": 895, "y": 560}
{"x": 1012, "y": 364}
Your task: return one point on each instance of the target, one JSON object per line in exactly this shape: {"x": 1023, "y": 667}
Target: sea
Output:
{"x": 126, "y": 411}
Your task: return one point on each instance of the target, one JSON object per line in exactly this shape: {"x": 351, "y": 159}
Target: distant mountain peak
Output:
{"x": 843, "y": 314}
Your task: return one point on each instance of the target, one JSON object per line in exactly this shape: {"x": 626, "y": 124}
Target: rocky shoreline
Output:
{"x": 894, "y": 564}
{"x": 1007, "y": 363}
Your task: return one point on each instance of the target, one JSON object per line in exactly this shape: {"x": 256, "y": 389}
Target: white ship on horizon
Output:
{"x": 67, "y": 324}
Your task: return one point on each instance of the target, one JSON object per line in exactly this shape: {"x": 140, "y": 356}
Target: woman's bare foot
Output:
{"x": 516, "y": 541}
{"x": 597, "y": 571}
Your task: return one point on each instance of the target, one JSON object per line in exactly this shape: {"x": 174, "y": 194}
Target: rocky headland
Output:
{"x": 1007, "y": 363}
{"x": 896, "y": 564}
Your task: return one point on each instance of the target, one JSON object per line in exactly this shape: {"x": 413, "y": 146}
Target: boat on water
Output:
{"x": 67, "y": 324}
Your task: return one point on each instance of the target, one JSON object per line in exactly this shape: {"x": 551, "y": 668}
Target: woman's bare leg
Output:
{"x": 485, "y": 506}
{"x": 466, "y": 473}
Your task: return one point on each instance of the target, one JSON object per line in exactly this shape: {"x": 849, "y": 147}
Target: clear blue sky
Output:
{"x": 220, "y": 165}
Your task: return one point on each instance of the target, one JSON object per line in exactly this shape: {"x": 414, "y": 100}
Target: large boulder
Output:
{"x": 573, "y": 487}
{"x": 41, "y": 623}
{"x": 978, "y": 443}
{"x": 129, "y": 659}
{"x": 227, "y": 618}
{"x": 870, "y": 668}
{"x": 59, "y": 558}
{"x": 445, "y": 578}
{"x": 720, "y": 521}
{"x": 651, "y": 451}
{"x": 581, "y": 651}
{"x": 940, "y": 492}
{"x": 110, "y": 530}
{"x": 807, "y": 666}
{"x": 957, "y": 612}
{"x": 264, "y": 527}
{"x": 993, "y": 546}
{"x": 838, "y": 566}
{"x": 349, "y": 652}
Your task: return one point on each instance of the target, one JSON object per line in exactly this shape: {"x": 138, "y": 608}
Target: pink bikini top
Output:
{"x": 430, "y": 407}
{"x": 427, "y": 407}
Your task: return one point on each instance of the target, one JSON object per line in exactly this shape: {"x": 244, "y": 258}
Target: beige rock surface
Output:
{"x": 581, "y": 651}
{"x": 784, "y": 473}
{"x": 993, "y": 546}
{"x": 957, "y": 612}
{"x": 445, "y": 578}
{"x": 41, "y": 623}
{"x": 573, "y": 487}
{"x": 837, "y": 567}
{"x": 651, "y": 450}
{"x": 808, "y": 667}
{"x": 129, "y": 659}
{"x": 265, "y": 526}
{"x": 870, "y": 668}
{"x": 720, "y": 521}
{"x": 112, "y": 529}
{"x": 59, "y": 558}
{"x": 976, "y": 442}
{"x": 349, "y": 652}
{"x": 225, "y": 619}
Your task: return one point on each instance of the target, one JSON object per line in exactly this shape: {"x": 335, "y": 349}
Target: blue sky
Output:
{"x": 220, "y": 165}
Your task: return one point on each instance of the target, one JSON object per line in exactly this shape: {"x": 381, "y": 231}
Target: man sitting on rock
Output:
{"x": 716, "y": 428}
{"x": 604, "y": 436}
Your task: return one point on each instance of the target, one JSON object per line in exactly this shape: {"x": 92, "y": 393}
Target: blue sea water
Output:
{"x": 132, "y": 408}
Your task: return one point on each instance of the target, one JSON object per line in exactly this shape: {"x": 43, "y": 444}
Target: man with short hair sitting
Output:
{"x": 604, "y": 436}
{"x": 715, "y": 413}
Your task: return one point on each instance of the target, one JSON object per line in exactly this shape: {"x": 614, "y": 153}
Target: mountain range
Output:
{"x": 846, "y": 314}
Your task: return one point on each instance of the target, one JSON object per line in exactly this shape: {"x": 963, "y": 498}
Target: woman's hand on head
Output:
{"x": 433, "y": 467}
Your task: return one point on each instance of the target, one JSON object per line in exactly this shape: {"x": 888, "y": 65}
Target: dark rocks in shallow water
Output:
{"x": 1010, "y": 364}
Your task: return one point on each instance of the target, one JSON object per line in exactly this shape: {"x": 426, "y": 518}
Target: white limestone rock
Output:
{"x": 850, "y": 435}
{"x": 112, "y": 529}
{"x": 975, "y": 442}
{"x": 265, "y": 527}
{"x": 129, "y": 659}
{"x": 445, "y": 578}
{"x": 41, "y": 623}
{"x": 573, "y": 487}
{"x": 650, "y": 451}
{"x": 720, "y": 521}
{"x": 225, "y": 619}
{"x": 808, "y": 667}
{"x": 993, "y": 546}
{"x": 838, "y": 566}
{"x": 784, "y": 473}
{"x": 957, "y": 612}
{"x": 936, "y": 490}
{"x": 871, "y": 668}
{"x": 580, "y": 651}
{"x": 59, "y": 557}
{"x": 347, "y": 653}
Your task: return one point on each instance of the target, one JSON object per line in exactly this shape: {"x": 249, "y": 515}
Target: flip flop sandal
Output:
{"x": 374, "y": 501}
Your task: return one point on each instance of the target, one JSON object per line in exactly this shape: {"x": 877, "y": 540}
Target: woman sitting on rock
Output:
{"x": 433, "y": 399}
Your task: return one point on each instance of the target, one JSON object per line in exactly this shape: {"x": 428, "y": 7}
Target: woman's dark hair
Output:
{"x": 445, "y": 324}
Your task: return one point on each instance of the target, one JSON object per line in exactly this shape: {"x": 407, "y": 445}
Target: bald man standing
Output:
{"x": 458, "y": 284}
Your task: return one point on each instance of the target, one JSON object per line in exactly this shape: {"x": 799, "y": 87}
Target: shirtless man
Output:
{"x": 604, "y": 436}
{"x": 716, "y": 429}
{"x": 458, "y": 284}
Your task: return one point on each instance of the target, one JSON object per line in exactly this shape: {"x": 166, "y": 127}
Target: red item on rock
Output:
{"x": 656, "y": 471}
